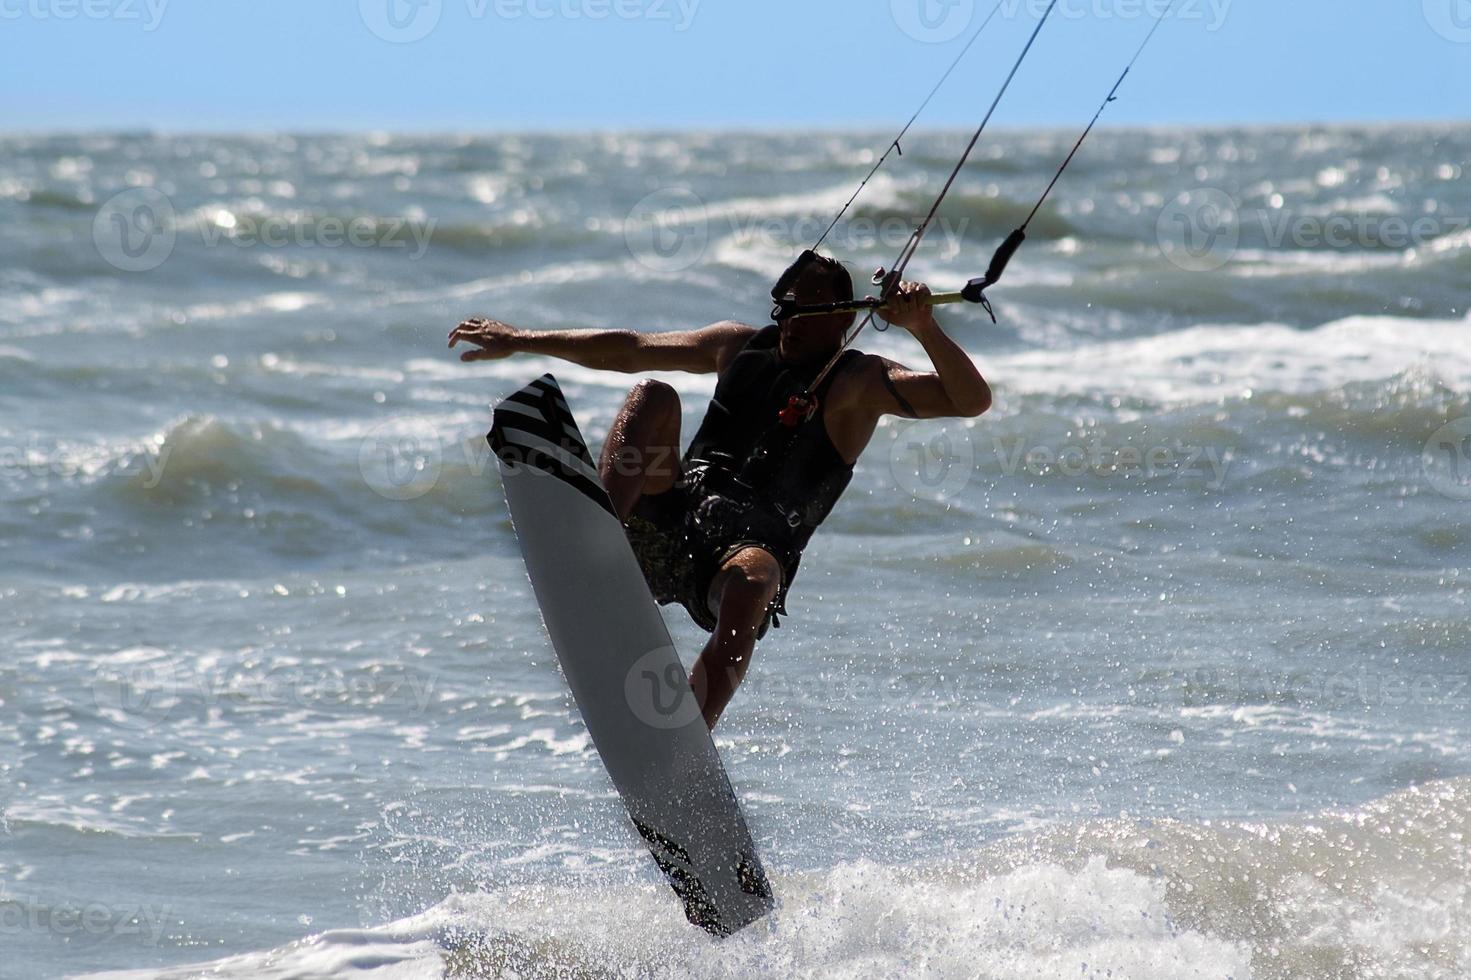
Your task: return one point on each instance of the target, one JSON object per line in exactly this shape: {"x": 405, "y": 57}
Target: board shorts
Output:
{"x": 683, "y": 537}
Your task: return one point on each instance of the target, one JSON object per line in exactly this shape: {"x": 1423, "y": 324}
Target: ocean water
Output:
{"x": 1161, "y": 669}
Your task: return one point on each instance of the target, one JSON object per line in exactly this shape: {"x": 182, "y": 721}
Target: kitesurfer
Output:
{"x": 721, "y": 530}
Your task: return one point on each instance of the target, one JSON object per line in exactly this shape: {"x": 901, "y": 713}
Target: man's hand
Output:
{"x": 954, "y": 389}
{"x": 494, "y": 338}
{"x": 909, "y": 307}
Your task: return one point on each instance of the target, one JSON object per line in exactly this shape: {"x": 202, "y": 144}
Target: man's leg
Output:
{"x": 742, "y": 592}
{"x": 641, "y": 455}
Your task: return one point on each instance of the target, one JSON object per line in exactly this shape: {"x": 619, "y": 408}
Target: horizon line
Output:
{"x": 735, "y": 129}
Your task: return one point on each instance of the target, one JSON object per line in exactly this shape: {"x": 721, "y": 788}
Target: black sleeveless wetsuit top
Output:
{"x": 797, "y": 475}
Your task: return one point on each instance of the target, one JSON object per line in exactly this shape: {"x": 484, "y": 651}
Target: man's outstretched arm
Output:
{"x": 703, "y": 351}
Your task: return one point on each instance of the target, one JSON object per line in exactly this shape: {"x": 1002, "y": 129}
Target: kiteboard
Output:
{"x": 621, "y": 664}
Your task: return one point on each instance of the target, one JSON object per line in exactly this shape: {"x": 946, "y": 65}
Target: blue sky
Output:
{"x": 609, "y": 64}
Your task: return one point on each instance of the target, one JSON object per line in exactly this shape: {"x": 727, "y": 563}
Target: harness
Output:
{"x": 759, "y": 481}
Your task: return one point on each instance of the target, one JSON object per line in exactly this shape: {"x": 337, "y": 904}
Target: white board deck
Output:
{"x": 621, "y": 665}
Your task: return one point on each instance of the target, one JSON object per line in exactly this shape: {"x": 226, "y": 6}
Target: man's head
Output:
{"x": 814, "y": 279}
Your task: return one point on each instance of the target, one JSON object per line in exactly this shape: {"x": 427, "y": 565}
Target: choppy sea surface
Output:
{"x": 1161, "y": 669}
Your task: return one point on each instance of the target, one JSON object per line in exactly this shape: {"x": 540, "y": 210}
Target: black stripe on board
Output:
{"x": 539, "y": 427}
{"x": 546, "y": 387}
{"x": 547, "y": 402}
{"x": 699, "y": 908}
{"x": 513, "y": 455}
{"x": 555, "y": 427}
